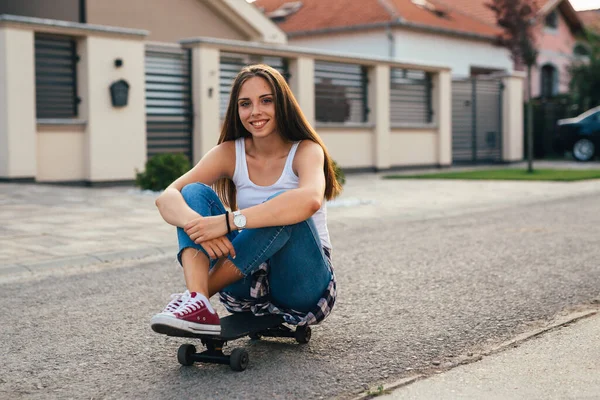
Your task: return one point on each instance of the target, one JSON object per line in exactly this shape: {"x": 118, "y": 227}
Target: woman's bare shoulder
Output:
{"x": 308, "y": 146}
{"x": 308, "y": 153}
{"x": 224, "y": 155}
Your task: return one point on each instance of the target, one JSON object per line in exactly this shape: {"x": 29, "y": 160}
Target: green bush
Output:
{"x": 339, "y": 174}
{"x": 161, "y": 171}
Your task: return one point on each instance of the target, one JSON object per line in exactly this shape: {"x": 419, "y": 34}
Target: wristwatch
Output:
{"x": 239, "y": 220}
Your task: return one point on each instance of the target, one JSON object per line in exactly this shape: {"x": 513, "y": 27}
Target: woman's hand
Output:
{"x": 219, "y": 247}
{"x": 203, "y": 229}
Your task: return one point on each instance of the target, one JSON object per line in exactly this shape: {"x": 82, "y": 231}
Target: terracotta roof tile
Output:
{"x": 452, "y": 20}
{"x": 475, "y": 8}
{"x": 319, "y": 14}
{"x": 590, "y": 19}
{"x": 479, "y": 10}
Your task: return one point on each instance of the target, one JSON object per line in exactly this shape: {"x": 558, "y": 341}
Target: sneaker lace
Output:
{"x": 177, "y": 300}
{"x": 190, "y": 305}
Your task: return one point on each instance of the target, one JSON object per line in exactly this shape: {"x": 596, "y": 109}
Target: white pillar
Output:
{"x": 379, "y": 105}
{"x": 17, "y": 104}
{"x": 442, "y": 108}
{"x": 302, "y": 83}
{"x": 115, "y": 144}
{"x": 512, "y": 117}
{"x": 205, "y": 81}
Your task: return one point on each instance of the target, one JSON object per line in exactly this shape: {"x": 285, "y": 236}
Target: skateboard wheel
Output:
{"x": 238, "y": 361}
{"x": 184, "y": 354}
{"x": 255, "y": 336}
{"x": 302, "y": 334}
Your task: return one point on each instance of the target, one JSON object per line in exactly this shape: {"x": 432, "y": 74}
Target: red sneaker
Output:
{"x": 177, "y": 300}
{"x": 194, "y": 316}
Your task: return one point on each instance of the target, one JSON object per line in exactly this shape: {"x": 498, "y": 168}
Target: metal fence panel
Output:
{"x": 462, "y": 121}
{"x": 340, "y": 92}
{"x": 410, "y": 97}
{"x": 489, "y": 120}
{"x": 56, "y": 76}
{"x": 169, "y": 111}
{"x": 476, "y": 120}
{"x": 232, "y": 63}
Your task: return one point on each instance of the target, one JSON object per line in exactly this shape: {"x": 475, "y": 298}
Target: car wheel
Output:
{"x": 584, "y": 150}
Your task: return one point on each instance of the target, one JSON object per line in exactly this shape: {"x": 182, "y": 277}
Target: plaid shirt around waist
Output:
{"x": 259, "y": 303}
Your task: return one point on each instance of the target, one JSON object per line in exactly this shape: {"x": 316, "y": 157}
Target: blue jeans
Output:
{"x": 298, "y": 273}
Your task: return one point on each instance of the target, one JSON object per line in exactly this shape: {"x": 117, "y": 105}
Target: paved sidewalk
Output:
{"x": 43, "y": 226}
{"x": 46, "y": 227}
{"x": 560, "y": 364}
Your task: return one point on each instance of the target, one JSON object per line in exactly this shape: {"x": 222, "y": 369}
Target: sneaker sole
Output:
{"x": 169, "y": 325}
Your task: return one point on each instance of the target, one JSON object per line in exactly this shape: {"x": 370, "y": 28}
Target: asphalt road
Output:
{"x": 416, "y": 293}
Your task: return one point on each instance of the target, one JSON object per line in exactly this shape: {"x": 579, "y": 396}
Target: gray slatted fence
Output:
{"x": 410, "y": 97}
{"x": 169, "y": 112}
{"x": 341, "y": 92}
{"x": 56, "y": 76}
{"x": 476, "y": 120}
{"x": 232, "y": 63}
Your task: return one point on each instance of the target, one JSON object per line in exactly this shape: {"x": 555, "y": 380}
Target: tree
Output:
{"x": 517, "y": 18}
{"x": 585, "y": 74}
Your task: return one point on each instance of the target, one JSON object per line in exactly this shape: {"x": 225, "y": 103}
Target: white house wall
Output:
{"x": 415, "y": 46}
{"x": 457, "y": 53}
{"x": 372, "y": 43}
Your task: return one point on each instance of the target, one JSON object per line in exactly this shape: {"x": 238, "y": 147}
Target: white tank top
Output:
{"x": 250, "y": 194}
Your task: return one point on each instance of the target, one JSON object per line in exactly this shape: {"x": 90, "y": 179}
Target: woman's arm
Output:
{"x": 295, "y": 205}
{"x": 217, "y": 163}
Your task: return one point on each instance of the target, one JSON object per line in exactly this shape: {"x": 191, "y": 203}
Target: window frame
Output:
{"x": 551, "y": 21}
{"x": 553, "y": 81}
{"x": 331, "y": 92}
{"x": 52, "y": 70}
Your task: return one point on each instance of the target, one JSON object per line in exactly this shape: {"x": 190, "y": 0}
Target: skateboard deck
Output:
{"x": 233, "y": 326}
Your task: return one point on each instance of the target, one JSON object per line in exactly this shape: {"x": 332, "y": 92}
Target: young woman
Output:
{"x": 271, "y": 255}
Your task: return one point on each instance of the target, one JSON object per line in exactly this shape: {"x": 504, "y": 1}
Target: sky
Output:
{"x": 585, "y": 4}
{"x": 577, "y": 4}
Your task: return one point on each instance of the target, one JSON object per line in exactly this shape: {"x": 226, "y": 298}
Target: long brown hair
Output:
{"x": 291, "y": 124}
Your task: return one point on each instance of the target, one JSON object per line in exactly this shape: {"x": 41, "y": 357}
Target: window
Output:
{"x": 581, "y": 49}
{"x": 56, "y": 76}
{"x": 552, "y": 20}
{"x": 286, "y": 9}
{"x": 340, "y": 92}
{"x": 549, "y": 81}
{"x": 436, "y": 9}
{"x": 410, "y": 97}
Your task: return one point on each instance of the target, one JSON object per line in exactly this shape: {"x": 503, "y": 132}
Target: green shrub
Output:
{"x": 161, "y": 171}
{"x": 339, "y": 174}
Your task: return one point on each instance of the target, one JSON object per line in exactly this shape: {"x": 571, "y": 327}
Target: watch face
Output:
{"x": 239, "y": 221}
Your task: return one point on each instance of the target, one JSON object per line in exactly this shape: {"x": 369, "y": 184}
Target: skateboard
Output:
{"x": 233, "y": 327}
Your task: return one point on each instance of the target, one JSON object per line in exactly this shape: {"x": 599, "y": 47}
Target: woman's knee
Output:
{"x": 195, "y": 192}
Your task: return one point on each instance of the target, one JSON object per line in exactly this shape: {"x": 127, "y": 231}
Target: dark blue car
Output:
{"x": 579, "y": 135}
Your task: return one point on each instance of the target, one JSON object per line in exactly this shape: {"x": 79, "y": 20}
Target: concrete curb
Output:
{"x": 520, "y": 339}
{"x": 86, "y": 260}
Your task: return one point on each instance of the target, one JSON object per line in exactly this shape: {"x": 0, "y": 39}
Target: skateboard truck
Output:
{"x": 234, "y": 327}
{"x": 237, "y": 360}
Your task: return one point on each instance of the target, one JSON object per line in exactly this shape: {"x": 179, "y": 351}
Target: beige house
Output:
{"x": 88, "y": 96}
{"x": 58, "y": 60}
{"x": 165, "y": 20}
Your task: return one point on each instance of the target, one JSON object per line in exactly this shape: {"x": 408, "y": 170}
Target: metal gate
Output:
{"x": 477, "y": 120}
{"x": 169, "y": 113}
